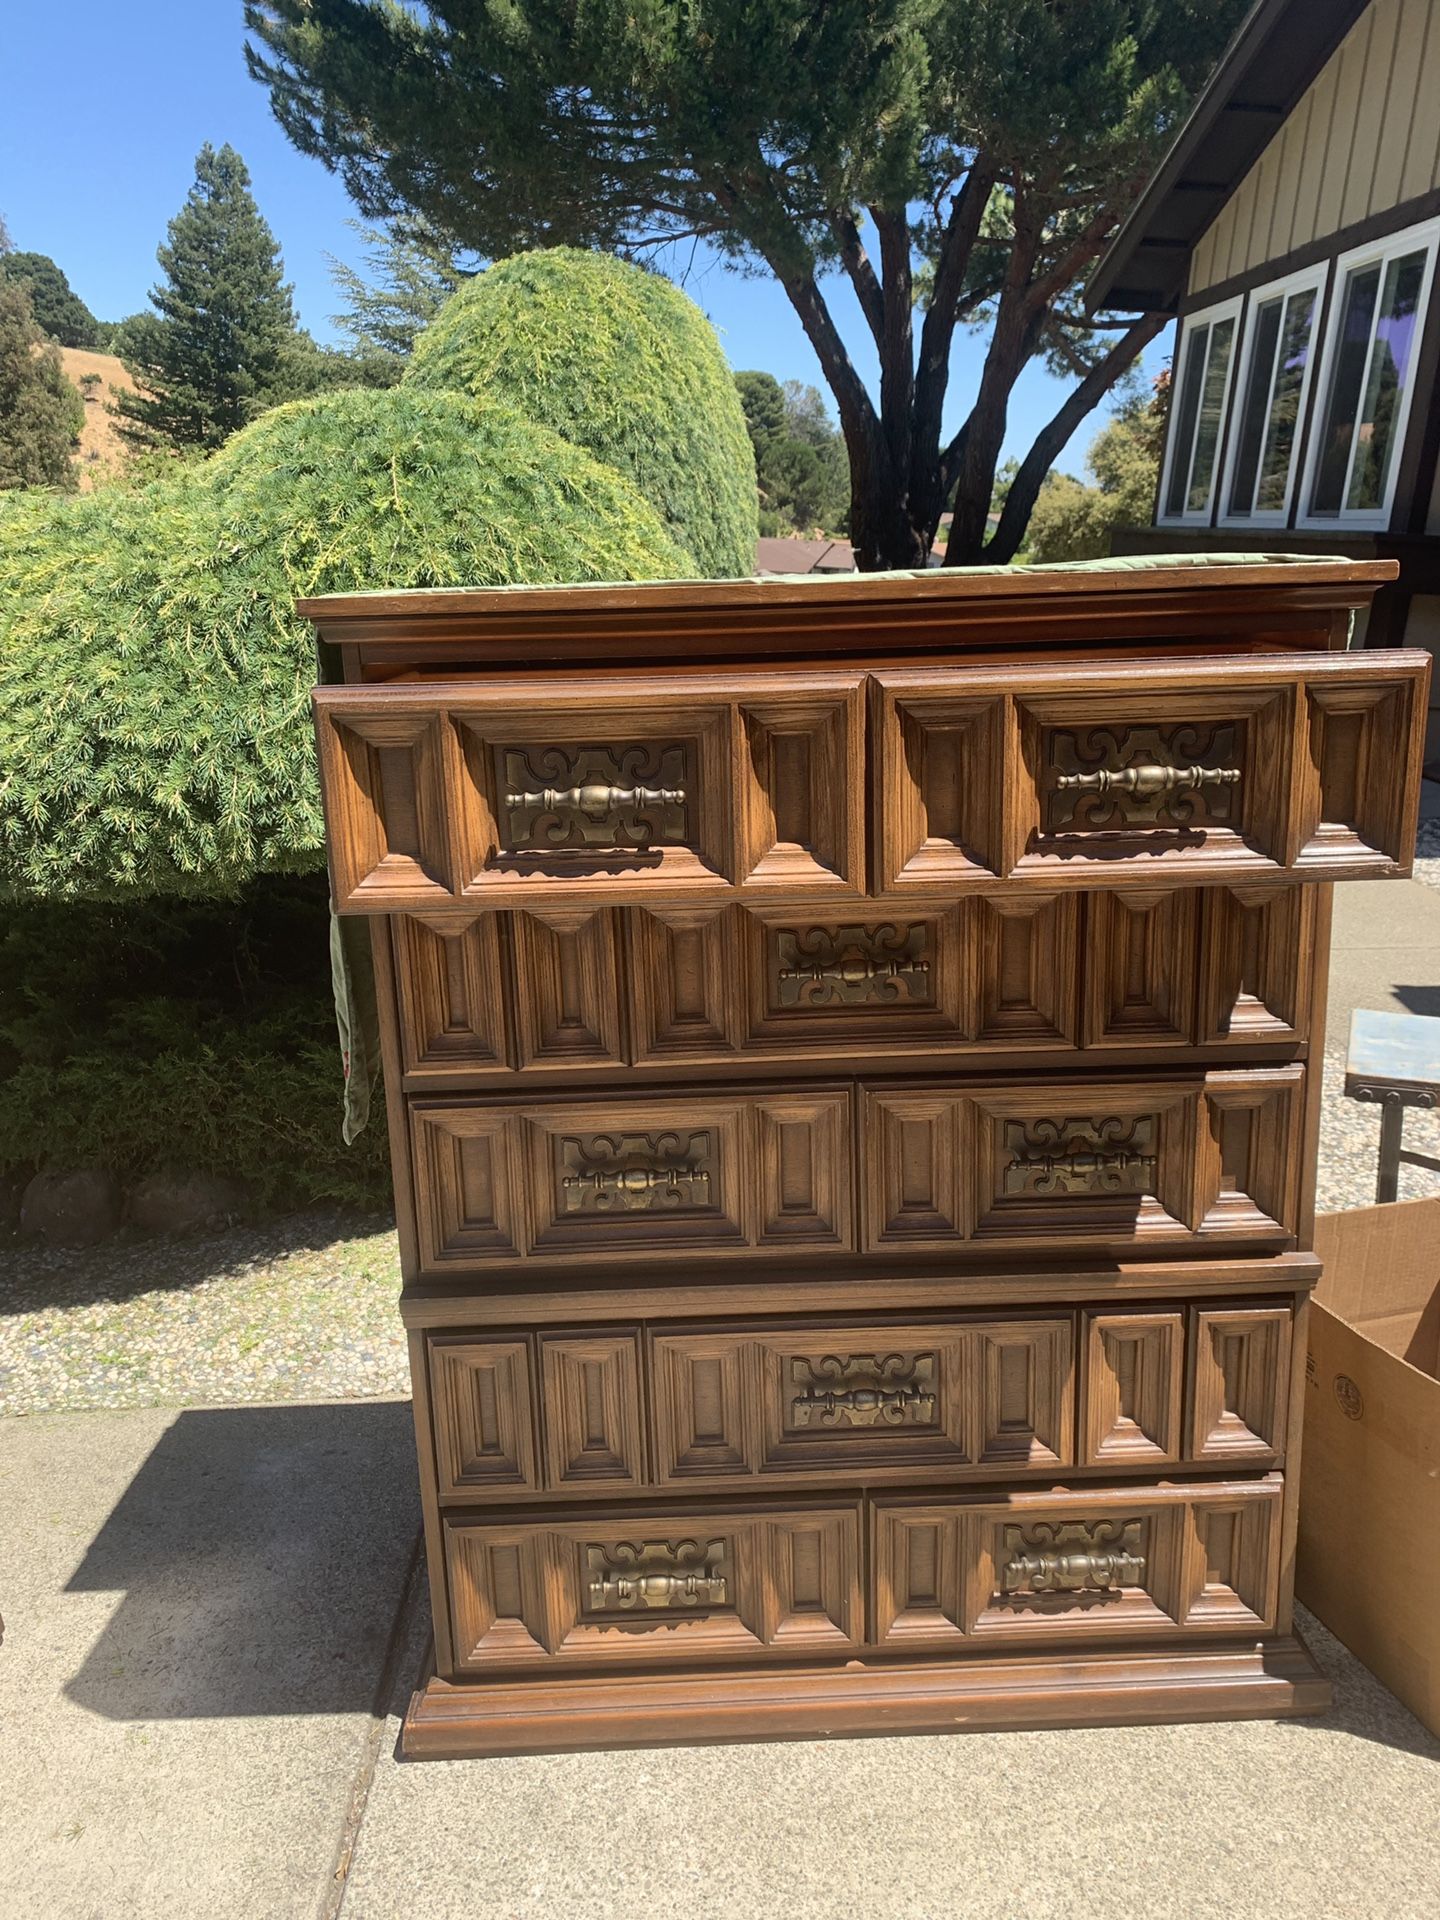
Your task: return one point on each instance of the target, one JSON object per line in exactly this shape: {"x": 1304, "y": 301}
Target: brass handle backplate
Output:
{"x": 630, "y": 1577}
{"x": 1073, "y": 1557}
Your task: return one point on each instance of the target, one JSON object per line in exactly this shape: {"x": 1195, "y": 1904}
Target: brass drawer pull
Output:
{"x": 853, "y": 975}
{"x": 594, "y": 802}
{"x": 863, "y": 1390}
{"x": 1073, "y": 1557}
{"x": 1148, "y": 782}
{"x": 626, "y": 1577}
{"x": 1094, "y": 1167}
{"x": 633, "y": 1189}
{"x": 1108, "y": 1155}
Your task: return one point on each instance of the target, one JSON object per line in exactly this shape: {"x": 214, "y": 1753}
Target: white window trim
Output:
{"x": 1373, "y": 519}
{"x": 1313, "y": 278}
{"x": 1198, "y": 516}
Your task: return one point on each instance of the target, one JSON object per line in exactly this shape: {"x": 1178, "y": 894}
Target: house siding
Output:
{"x": 1365, "y": 137}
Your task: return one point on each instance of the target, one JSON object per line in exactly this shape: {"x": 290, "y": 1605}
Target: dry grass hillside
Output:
{"x": 101, "y": 449}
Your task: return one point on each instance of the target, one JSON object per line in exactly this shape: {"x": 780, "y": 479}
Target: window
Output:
{"x": 1373, "y": 340}
{"x": 1207, "y": 351}
{"x": 1274, "y": 382}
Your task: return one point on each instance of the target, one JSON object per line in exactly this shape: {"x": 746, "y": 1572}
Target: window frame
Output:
{"x": 1379, "y": 252}
{"x": 1314, "y": 278}
{"x": 1212, "y": 316}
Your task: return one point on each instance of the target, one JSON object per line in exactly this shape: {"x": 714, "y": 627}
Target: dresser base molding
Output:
{"x": 1254, "y": 1680}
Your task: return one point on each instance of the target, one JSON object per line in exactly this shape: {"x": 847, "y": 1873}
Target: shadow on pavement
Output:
{"x": 263, "y": 1553}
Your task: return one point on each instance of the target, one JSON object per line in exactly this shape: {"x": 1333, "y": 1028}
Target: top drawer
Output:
{"x": 686, "y": 792}
{"x": 517, "y": 793}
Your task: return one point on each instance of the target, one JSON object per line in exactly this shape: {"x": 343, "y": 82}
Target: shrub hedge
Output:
{"x": 154, "y": 681}
{"x": 192, "y": 1033}
{"x": 620, "y": 362}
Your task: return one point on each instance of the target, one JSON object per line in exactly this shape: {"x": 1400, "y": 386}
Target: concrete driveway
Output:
{"x": 211, "y": 1619}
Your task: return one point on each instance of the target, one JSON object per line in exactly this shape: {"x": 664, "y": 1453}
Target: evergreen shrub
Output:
{"x": 191, "y": 1033}
{"x": 155, "y": 729}
{"x": 620, "y": 362}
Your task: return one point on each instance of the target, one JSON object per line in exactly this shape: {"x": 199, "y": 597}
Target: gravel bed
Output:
{"x": 301, "y": 1308}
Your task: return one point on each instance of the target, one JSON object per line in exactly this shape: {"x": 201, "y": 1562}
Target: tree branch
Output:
{"x": 856, "y": 263}
{"x": 932, "y": 374}
{"x": 897, "y": 341}
{"x": 1025, "y": 487}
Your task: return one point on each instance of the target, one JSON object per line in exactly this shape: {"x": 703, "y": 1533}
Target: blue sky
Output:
{"x": 98, "y": 137}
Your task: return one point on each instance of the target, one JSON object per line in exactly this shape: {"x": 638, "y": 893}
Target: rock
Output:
{"x": 177, "y": 1202}
{"x": 75, "y": 1209}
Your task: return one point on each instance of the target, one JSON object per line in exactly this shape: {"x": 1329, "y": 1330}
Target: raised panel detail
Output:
{"x": 480, "y": 1396}
{"x": 1132, "y": 1388}
{"x": 1257, "y": 956}
{"x": 1024, "y": 1389}
{"x": 567, "y": 1002}
{"x": 383, "y": 776}
{"x": 1361, "y": 756}
{"x": 1027, "y": 954}
{"x": 1140, "y": 969}
{"x": 660, "y": 1173}
{"x": 703, "y": 1407}
{"x": 469, "y": 1196}
{"x": 681, "y": 979}
{"x": 913, "y": 1170}
{"x": 592, "y": 1401}
{"x": 637, "y": 1174}
{"x": 1240, "y": 1361}
{"x": 1247, "y": 1166}
{"x": 802, "y": 1155}
{"x": 648, "y": 1587}
{"x": 939, "y": 782}
{"x": 451, "y": 987}
{"x": 802, "y": 789}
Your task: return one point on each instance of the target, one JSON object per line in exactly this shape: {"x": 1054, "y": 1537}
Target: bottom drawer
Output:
{"x": 650, "y": 1586}
{"x": 1039, "y": 1567}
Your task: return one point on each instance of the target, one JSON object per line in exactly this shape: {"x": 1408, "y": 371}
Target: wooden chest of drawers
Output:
{"x": 852, "y": 1057}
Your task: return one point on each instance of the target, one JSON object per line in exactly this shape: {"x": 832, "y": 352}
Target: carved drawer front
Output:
{"x": 481, "y": 1405}
{"x": 633, "y": 1178}
{"x": 1205, "y": 1157}
{"x": 593, "y": 1417}
{"x": 1239, "y": 1384}
{"x": 1132, "y": 1388}
{"x": 1054, "y": 1566}
{"x": 524, "y": 793}
{"x": 1243, "y": 768}
{"x": 651, "y": 1586}
{"x": 1204, "y": 1386}
{"x": 974, "y": 1398}
{"x": 769, "y": 981}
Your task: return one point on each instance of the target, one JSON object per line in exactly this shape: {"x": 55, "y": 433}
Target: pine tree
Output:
{"x": 409, "y": 273}
{"x": 41, "y": 413}
{"x": 215, "y": 351}
{"x": 59, "y": 311}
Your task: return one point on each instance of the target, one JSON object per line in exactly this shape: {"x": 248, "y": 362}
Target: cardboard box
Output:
{"x": 1369, "y": 1549}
